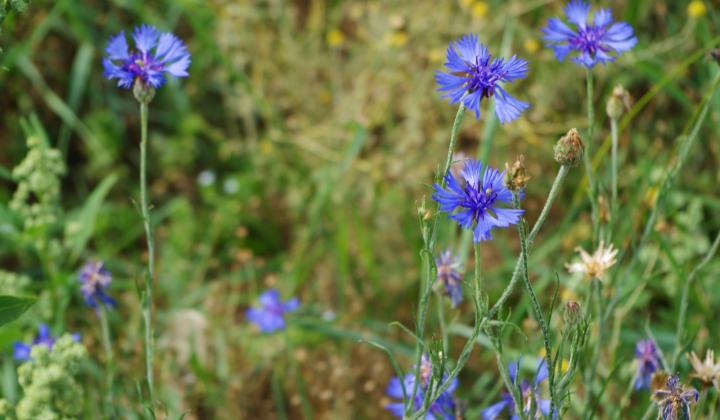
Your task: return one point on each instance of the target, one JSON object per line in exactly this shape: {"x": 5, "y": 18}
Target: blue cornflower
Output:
{"x": 528, "y": 393}
{"x": 21, "y": 351}
{"x": 648, "y": 360}
{"x": 477, "y": 200}
{"x": 95, "y": 279}
{"x": 444, "y": 406}
{"x": 448, "y": 274}
{"x": 155, "y": 55}
{"x": 270, "y": 316}
{"x": 473, "y": 75}
{"x": 598, "y": 42}
{"x": 675, "y": 399}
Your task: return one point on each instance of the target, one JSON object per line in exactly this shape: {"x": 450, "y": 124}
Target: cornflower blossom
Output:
{"x": 598, "y": 41}
{"x": 444, "y": 406}
{"x": 448, "y": 274}
{"x": 270, "y": 315}
{"x": 22, "y": 351}
{"x": 477, "y": 200}
{"x": 156, "y": 55}
{"x": 595, "y": 266}
{"x": 674, "y": 399}
{"x": 707, "y": 371}
{"x": 648, "y": 361}
{"x": 528, "y": 393}
{"x": 473, "y": 74}
{"x": 95, "y": 279}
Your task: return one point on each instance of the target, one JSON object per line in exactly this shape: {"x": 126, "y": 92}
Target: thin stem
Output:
{"x": 441, "y": 318}
{"x": 614, "y": 165}
{"x": 109, "y": 360}
{"x": 682, "y": 315}
{"x": 522, "y": 230}
{"x": 145, "y": 210}
{"x": 590, "y": 377}
{"x": 587, "y": 155}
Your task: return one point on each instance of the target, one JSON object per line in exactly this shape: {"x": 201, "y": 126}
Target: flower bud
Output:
{"x": 572, "y": 314}
{"x": 618, "y": 102}
{"x": 515, "y": 177}
{"x": 143, "y": 92}
{"x": 569, "y": 149}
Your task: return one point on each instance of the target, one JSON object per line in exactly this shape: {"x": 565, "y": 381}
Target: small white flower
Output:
{"x": 594, "y": 266}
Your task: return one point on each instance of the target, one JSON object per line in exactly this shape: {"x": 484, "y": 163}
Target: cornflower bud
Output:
{"x": 618, "y": 102}
{"x": 569, "y": 148}
{"x": 572, "y": 314}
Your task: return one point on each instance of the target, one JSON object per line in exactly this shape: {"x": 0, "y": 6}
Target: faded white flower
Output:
{"x": 594, "y": 266}
{"x": 706, "y": 371}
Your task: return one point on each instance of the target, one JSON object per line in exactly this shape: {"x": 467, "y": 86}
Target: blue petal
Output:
{"x": 397, "y": 409}
{"x": 145, "y": 37}
{"x": 394, "y": 388}
{"x": 603, "y": 17}
{"x": 21, "y": 351}
{"x": 291, "y": 304}
{"x": 472, "y": 102}
{"x": 270, "y": 297}
{"x": 513, "y": 368}
{"x": 514, "y": 68}
{"x": 542, "y": 372}
{"x": 557, "y": 31}
{"x": 492, "y": 412}
{"x": 577, "y": 11}
{"x": 117, "y": 47}
{"x": 506, "y": 217}
{"x": 544, "y": 406}
{"x": 508, "y": 108}
{"x": 470, "y": 49}
{"x": 620, "y": 37}
{"x": 472, "y": 172}
{"x": 125, "y": 78}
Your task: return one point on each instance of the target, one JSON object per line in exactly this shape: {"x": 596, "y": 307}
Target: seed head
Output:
{"x": 569, "y": 149}
{"x": 515, "y": 176}
{"x": 618, "y": 102}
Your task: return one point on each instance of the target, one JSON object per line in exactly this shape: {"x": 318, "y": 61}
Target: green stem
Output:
{"x": 522, "y": 230}
{"x": 109, "y": 360}
{"x": 614, "y": 164}
{"x": 587, "y": 155}
{"x": 145, "y": 210}
{"x": 441, "y": 318}
{"x": 682, "y": 315}
{"x": 590, "y": 377}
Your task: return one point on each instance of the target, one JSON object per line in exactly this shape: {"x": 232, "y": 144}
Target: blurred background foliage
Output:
{"x": 294, "y": 156}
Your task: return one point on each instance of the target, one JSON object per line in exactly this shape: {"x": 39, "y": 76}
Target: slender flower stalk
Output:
{"x": 587, "y": 156}
{"x": 522, "y": 231}
{"x": 109, "y": 358}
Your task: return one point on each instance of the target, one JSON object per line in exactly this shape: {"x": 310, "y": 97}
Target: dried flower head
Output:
{"x": 618, "y": 102}
{"x": 594, "y": 266}
{"x": 516, "y": 178}
{"x": 448, "y": 274}
{"x": 477, "y": 200}
{"x": 596, "y": 41}
{"x": 674, "y": 399}
{"x": 473, "y": 74}
{"x": 707, "y": 371}
{"x": 569, "y": 149}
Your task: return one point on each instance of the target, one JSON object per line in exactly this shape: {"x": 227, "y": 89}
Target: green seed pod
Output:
{"x": 569, "y": 149}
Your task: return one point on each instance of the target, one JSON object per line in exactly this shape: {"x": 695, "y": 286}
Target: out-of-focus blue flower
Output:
{"x": 648, "y": 360}
{"x": 675, "y": 399}
{"x": 528, "y": 392}
{"x": 448, "y": 274}
{"x": 270, "y": 315}
{"x": 477, "y": 200}
{"x": 94, "y": 279}
{"x": 444, "y": 406}
{"x": 599, "y": 41}
{"x": 21, "y": 351}
{"x": 473, "y": 74}
{"x": 156, "y": 54}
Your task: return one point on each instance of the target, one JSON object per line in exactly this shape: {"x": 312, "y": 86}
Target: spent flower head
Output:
{"x": 648, "y": 362}
{"x": 473, "y": 74}
{"x": 707, "y": 371}
{"x": 477, "y": 200}
{"x": 569, "y": 149}
{"x": 448, "y": 274}
{"x": 598, "y": 41}
{"x": 516, "y": 177}
{"x": 94, "y": 280}
{"x": 594, "y": 266}
{"x": 270, "y": 315}
{"x": 674, "y": 399}
{"x": 530, "y": 393}
{"x": 155, "y": 56}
